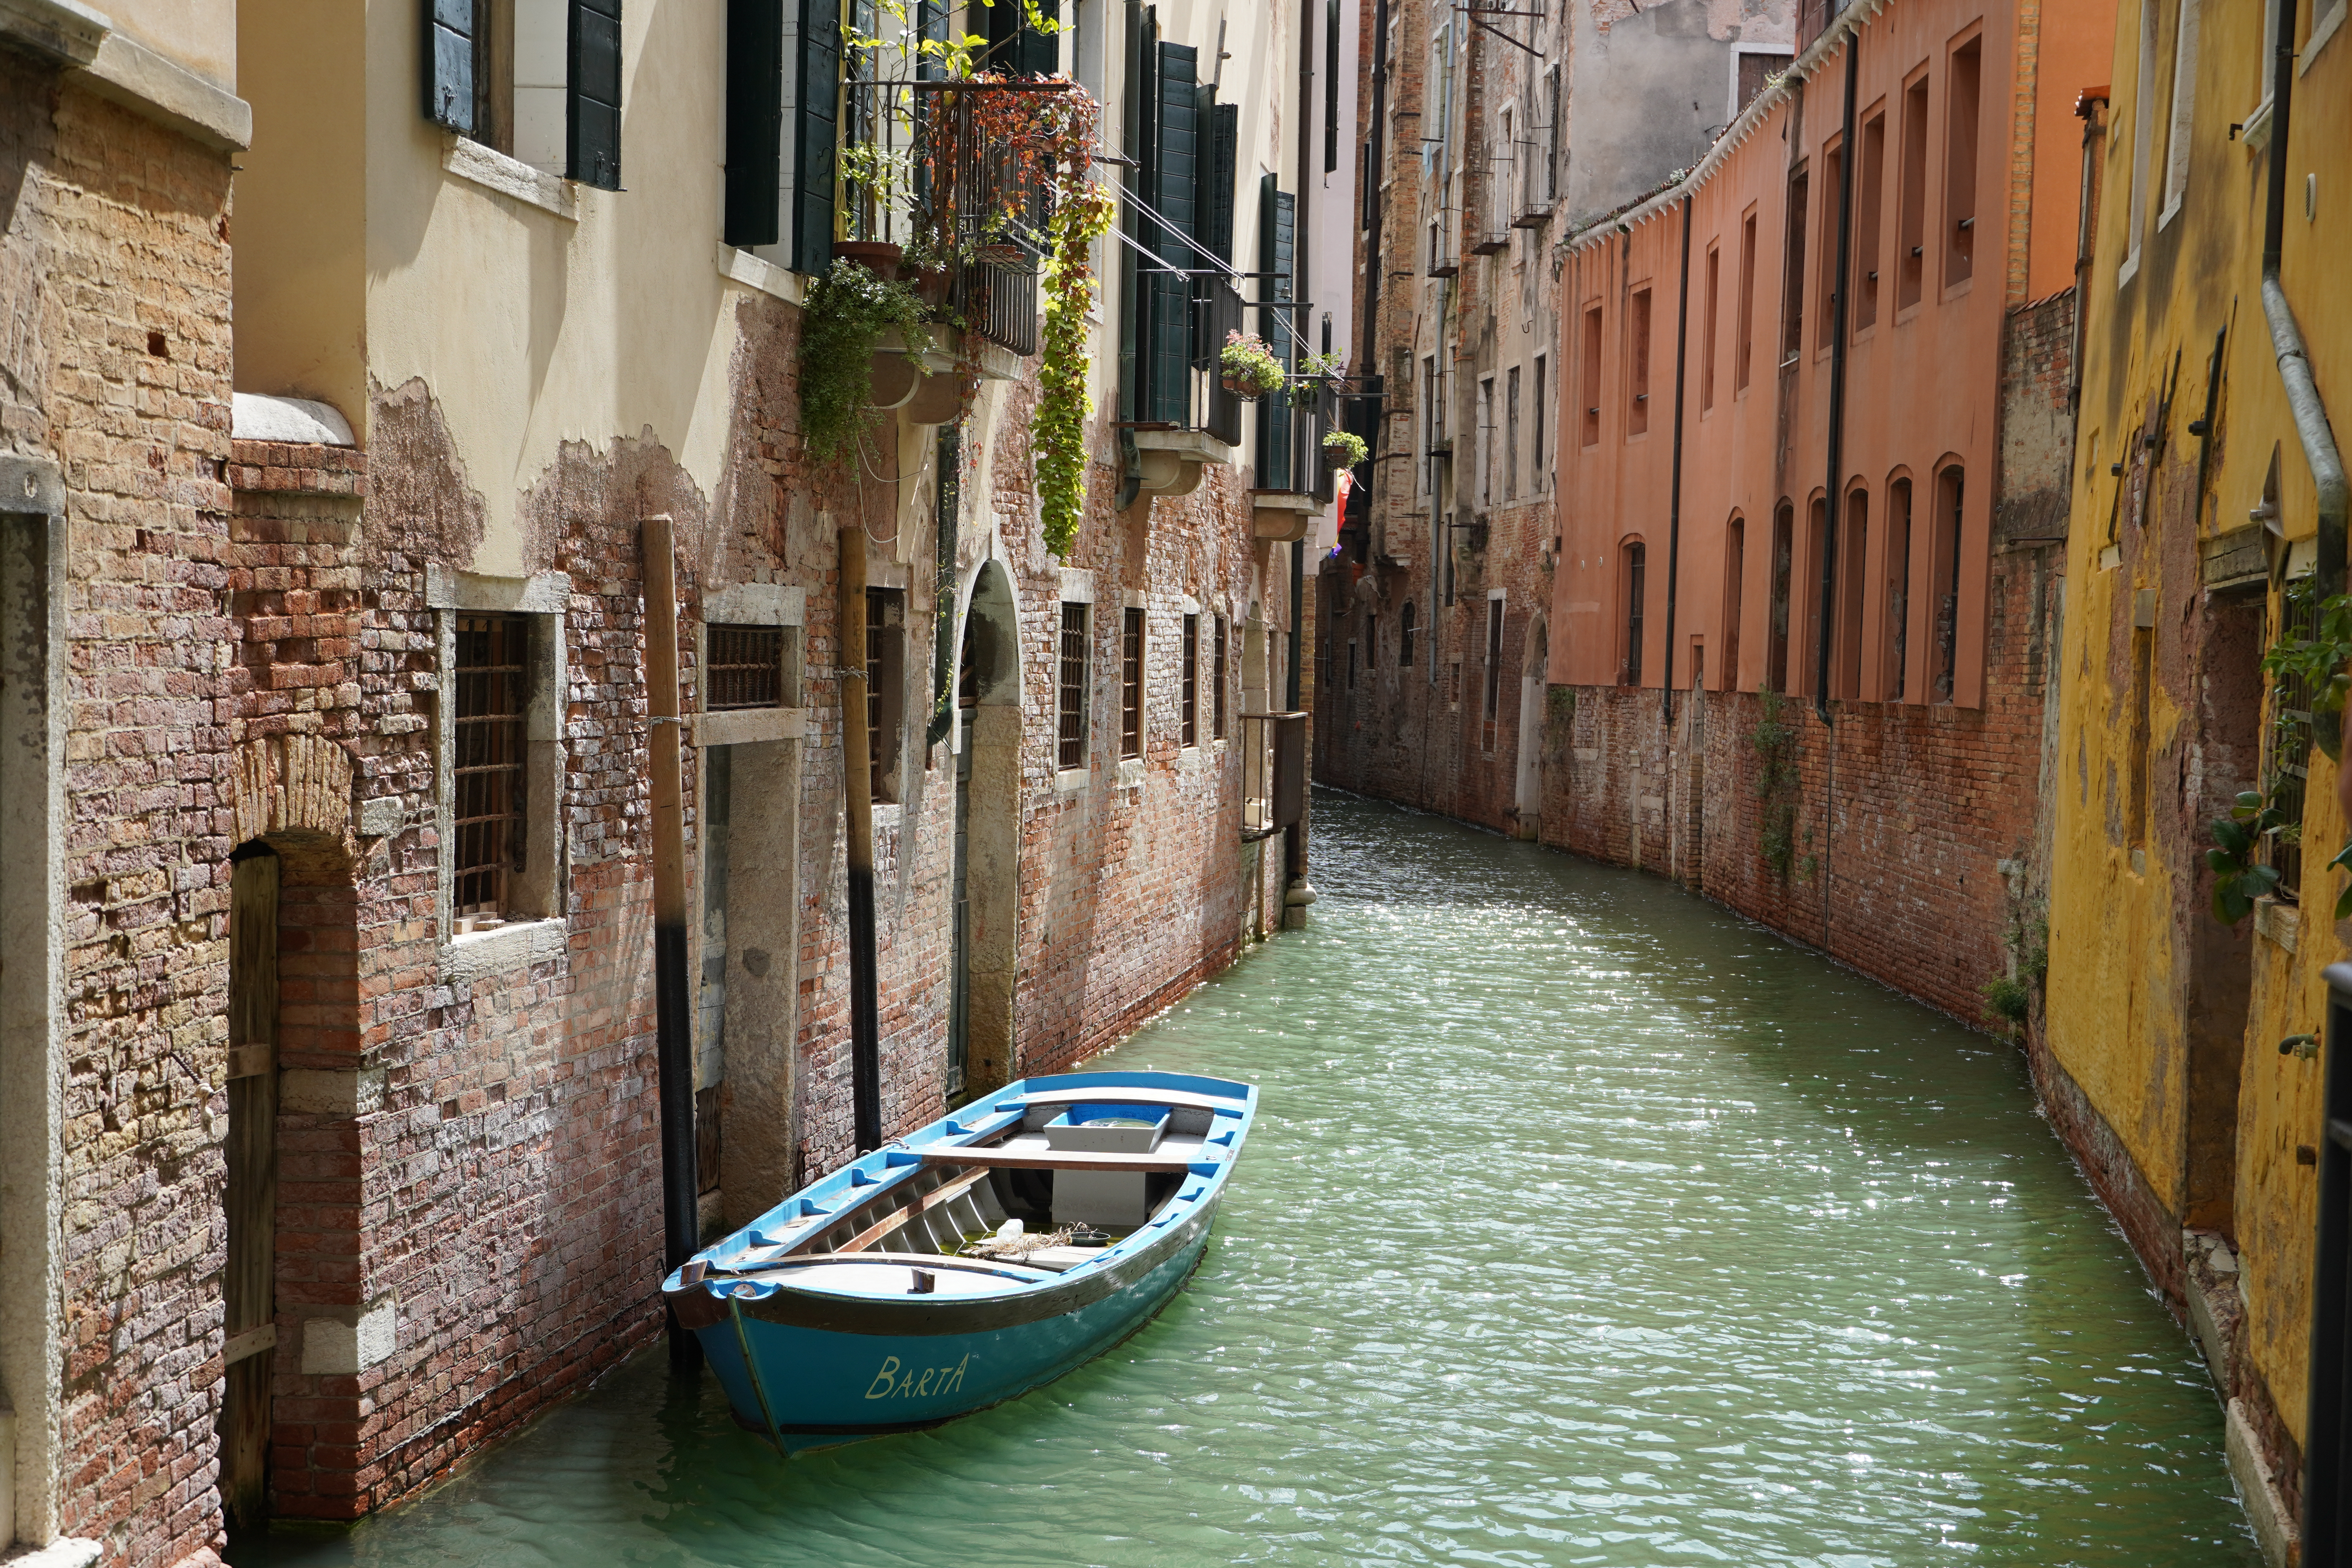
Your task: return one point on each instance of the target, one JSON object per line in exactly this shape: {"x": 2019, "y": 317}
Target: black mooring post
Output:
{"x": 857, "y": 816}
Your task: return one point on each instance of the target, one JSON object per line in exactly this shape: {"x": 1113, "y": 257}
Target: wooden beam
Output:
{"x": 1043, "y": 1160}
{"x": 899, "y": 1216}
{"x": 1176, "y": 1098}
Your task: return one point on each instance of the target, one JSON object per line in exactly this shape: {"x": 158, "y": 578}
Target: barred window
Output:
{"x": 1130, "y": 685}
{"x": 885, "y": 686}
{"x": 1192, "y": 680}
{"x": 492, "y": 653}
{"x": 1217, "y": 692}
{"x": 744, "y": 668}
{"x": 1072, "y": 713}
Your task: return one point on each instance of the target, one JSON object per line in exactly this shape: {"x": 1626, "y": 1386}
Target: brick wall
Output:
{"x": 114, "y": 363}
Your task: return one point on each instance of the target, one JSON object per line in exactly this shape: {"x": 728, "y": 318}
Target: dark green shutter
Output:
{"x": 593, "y": 94}
{"x": 1142, "y": 55}
{"x": 1035, "y": 53}
{"x": 1176, "y": 172}
{"x": 815, "y": 132}
{"x": 1214, "y": 210}
{"x": 1277, "y": 219}
{"x": 755, "y": 113}
{"x": 449, "y": 63}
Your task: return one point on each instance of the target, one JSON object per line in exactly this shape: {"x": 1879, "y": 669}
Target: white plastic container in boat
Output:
{"x": 1110, "y": 1199}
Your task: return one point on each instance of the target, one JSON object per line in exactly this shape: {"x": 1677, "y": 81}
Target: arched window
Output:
{"x": 1775, "y": 663}
{"x": 1951, "y": 491}
{"x": 1735, "y": 576}
{"x": 1404, "y": 635}
{"x": 1898, "y": 589}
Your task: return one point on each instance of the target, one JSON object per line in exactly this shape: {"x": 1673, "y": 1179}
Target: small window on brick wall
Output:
{"x": 1192, "y": 719}
{"x": 1071, "y": 709}
{"x": 745, "y": 669}
{"x": 886, "y": 687}
{"x": 498, "y": 749}
{"x": 488, "y": 783}
{"x": 1131, "y": 684}
{"x": 1217, "y": 686}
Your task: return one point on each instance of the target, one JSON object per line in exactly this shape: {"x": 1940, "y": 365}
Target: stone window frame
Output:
{"x": 536, "y": 932}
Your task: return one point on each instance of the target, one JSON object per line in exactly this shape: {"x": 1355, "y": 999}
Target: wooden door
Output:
{"x": 250, "y": 1196}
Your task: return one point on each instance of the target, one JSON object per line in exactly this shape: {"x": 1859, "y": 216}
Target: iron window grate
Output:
{"x": 1130, "y": 685}
{"x": 1073, "y": 707}
{"x": 1192, "y": 680}
{"x": 487, "y": 778}
{"x": 745, "y": 669}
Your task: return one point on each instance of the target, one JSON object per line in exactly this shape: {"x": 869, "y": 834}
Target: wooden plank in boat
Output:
{"x": 1177, "y": 1099}
{"x": 898, "y": 1216}
{"x": 1046, "y": 1160}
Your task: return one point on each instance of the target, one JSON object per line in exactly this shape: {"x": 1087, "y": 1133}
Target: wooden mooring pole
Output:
{"x": 673, "y": 1016}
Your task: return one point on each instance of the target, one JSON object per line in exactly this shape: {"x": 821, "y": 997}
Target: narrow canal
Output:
{"x": 1583, "y": 1224}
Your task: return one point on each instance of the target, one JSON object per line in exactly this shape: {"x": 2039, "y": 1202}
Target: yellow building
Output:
{"x": 2195, "y": 535}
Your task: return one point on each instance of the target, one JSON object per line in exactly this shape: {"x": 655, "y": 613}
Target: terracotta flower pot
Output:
{"x": 876, "y": 257}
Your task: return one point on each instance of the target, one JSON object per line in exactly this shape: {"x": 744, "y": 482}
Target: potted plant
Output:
{"x": 1316, "y": 372}
{"x": 848, "y": 309}
{"x": 1248, "y": 367}
{"x": 1343, "y": 450}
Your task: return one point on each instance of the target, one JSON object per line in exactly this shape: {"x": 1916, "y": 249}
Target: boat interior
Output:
{"x": 1101, "y": 1165}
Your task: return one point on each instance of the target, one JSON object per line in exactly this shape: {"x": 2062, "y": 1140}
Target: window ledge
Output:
{"x": 1130, "y": 773}
{"x": 510, "y": 177}
{"x": 478, "y": 956}
{"x": 1072, "y": 780}
{"x": 2281, "y": 923}
{"x": 2171, "y": 210}
{"x": 746, "y": 726}
{"x": 2256, "y": 133}
{"x": 888, "y": 814}
{"x": 756, "y": 272}
{"x": 2321, "y": 31}
{"x": 2128, "y": 270}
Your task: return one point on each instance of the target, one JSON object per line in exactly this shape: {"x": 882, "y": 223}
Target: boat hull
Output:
{"x": 809, "y": 1372}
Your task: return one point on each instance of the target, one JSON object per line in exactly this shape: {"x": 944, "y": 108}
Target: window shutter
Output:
{"x": 815, "y": 139}
{"x": 1277, "y": 219}
{"x": 755, "y": 112}
{"x": 1176, "y": 172}
{"x": 449, "y": 64}
{"x": 1035, "y": 53}
{"x": 593, "y": 94}
{"x": 1142, "y": 54}
{"x": 1214, "y": 212}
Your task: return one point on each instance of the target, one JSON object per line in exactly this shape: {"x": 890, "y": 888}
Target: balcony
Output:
{"x": 922, "y": 172}
{"x": 1273, "y": 774}
{"x": 1184, "y": 418}
{"x": 1294, "y": 483}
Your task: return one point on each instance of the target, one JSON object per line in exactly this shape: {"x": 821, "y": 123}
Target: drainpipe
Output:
{"x": 673, "y": 1019}
{"x": 1675, "y": 505}
{"x": 2311, "y": 426}
{"x": 858, "y": 790}
{"x": 1835, "y": 502}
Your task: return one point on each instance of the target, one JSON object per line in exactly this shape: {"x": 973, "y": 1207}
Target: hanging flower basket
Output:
{"x": 1248, "y": 367}
{"x": 1344, "y": 449}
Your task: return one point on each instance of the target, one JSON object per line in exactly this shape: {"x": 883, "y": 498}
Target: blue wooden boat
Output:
{"x": 854, "y": 1308}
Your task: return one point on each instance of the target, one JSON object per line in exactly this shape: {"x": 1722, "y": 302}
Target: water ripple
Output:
{"x": 1584, "y": 1224}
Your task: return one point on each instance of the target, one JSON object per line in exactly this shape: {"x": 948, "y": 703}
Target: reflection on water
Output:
{"x": 1582, "y": 1224}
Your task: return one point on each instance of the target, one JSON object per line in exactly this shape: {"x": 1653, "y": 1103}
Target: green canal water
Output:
{"x": 1583, "y": 1223}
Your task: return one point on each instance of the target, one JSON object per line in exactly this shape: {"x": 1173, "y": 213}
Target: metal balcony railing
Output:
{"x": 922, "y": 172}
{"x": 1291, "y": 426}
{"x": 1180, "y": 338}
{"x": 1273, "y": 774}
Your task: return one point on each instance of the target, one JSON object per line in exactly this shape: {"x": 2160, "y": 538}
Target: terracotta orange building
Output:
{"x": 1813, "y": 461}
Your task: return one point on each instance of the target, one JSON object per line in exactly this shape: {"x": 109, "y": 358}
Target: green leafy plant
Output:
{"x": 1344, "y": 448}
{"x": 2316, "y": 663}
{"x": 2239, "y": 877}
{"x": 1248, "y": 366}
{"x": 848, "y": 309}
{"x": 2008, "y": 1001}
{"x": 1083, "y": 212}
{"x": 1777, "y": 780}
